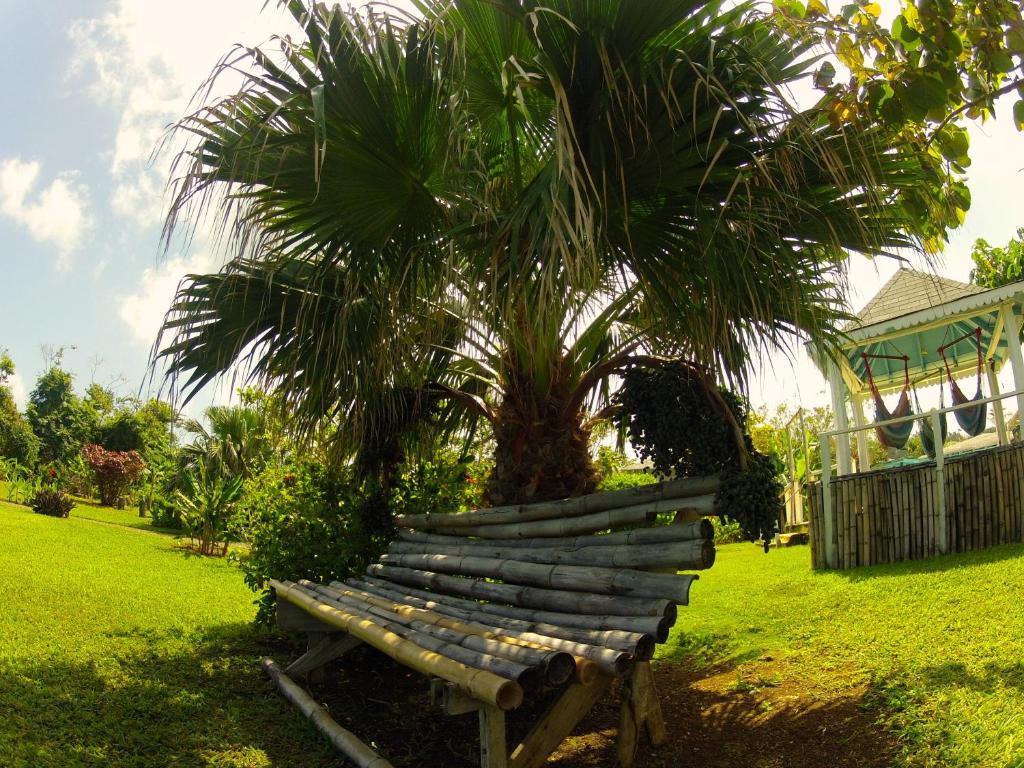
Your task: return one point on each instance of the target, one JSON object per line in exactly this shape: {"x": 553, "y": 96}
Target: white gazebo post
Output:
{"x": 863, "y": 457}
{"x": 1012, "y": 333}
{"x": 997, "y": 405}
{"x": 837, "y": 387}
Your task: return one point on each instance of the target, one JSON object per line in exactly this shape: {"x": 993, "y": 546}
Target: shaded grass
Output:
{"x": 117, "y": 650}
{"x": 939, "y": 643}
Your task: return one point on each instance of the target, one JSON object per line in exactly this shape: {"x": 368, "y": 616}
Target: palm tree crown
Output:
{"x": 485, "y": 211}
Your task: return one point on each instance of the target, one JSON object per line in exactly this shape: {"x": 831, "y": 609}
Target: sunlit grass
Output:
{"x": 940, "y": 643}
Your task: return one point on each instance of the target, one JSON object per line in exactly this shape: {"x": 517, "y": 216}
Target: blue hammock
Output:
{"x": 971, "y": 419}
{"x": 925, "y": 427}
{"x": 891, "y": 435}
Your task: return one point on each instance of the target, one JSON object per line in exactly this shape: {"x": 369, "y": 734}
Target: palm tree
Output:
{"x": 485, "y": 212}
{"x": 234, "y": 445}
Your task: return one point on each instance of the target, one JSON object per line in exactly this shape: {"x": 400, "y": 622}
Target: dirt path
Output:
{"x": 761, "y": 714}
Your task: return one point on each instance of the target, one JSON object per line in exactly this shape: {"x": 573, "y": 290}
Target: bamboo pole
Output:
{"x": 526, "y": 666}
{"x": 525, "y": 597}
{"x": 659, "y": 534}
{"x": 579, "y": 578}
{"x": 680, "y": 555}
{"x": 633, "y": 643}
{"x": 479, "y": 684}
{"x": 610, "y": 660}
{"x": 346, "y": 741}
{"x": 682, "y": 488}
{"x": 656, "y": 627}
{"x": 590, "y": 523}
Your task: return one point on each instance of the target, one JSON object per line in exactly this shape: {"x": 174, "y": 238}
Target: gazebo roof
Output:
{"x": 914, "y": 314}
{"x": 907, "y": 291}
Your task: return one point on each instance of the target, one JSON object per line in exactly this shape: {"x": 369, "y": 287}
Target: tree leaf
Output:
{"x": 1018, "y": 115}
{"x": 927, "y": 92}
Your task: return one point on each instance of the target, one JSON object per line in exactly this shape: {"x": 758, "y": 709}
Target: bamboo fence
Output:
{"x": 888, "y": 516}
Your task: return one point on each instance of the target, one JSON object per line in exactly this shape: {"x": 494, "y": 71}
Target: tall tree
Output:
{"x": 17, "y": 440}
{"x": 61, "y": 420}
{"x": 489, "y": 210}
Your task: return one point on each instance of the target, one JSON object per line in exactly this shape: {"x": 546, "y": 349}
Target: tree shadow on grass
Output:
{"x": 938, "y": 564}
{"x": 209, "y": 704}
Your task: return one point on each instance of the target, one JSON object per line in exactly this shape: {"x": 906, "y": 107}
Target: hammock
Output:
{"x": 971, "y": 419}
{"x": 924, "y": 426}
{"x": 891, "y": 435}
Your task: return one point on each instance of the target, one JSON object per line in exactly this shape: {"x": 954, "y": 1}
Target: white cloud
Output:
{"x": 56, "y": 214}
{"x": 18, "y": 390}
{"x": 145, "y": 60}
{"x": 143, "y": 311}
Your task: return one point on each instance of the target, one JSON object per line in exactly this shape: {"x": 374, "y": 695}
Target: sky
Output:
{"x": 91, "y": 86}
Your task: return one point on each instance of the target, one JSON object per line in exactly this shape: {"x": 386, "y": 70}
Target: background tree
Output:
{"x": 234, "y": 444}
{"x": 17, "y": 441}
{"x": 995, "y": 267}
{"x": 60, "y": 419}
{"x": 484, "y": 214}
{"x": 923, "y": 72}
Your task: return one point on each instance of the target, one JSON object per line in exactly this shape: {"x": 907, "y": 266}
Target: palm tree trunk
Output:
{"x": 541, "y": 453}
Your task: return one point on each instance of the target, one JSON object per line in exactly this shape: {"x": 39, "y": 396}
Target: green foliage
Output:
{"x": 727, "y": 531}
{"x": 302, "y": 522}
{"x": 206, "y": 504}
{"x": 995, "y": 267}
{"x": 235, "y": 443}
{"x": 619, "y": 480}
{"x": 939, "y": 63}
{"x": 609, "y": 461}
{"x": 687, "y": 427}
{"x": 52, "y": 501}
{"x": 445, "y": 484}
{"x": 61, "y": 420}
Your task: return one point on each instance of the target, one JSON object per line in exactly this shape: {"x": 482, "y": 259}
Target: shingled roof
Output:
{"x": 910, "y": 290}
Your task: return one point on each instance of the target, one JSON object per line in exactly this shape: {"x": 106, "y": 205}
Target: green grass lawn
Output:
{"x": 939, "y": 643}
{"x": 117, "y": 649}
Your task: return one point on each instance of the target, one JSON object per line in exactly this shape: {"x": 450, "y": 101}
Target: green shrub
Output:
{"x": 727, "y": 532}
{"x": 302, "y": 522}
{"x": 207, "y": 504}
{"x": 163, "y": 513}
{"x": 52, "y": 502}
{"x": 618, "y": 480}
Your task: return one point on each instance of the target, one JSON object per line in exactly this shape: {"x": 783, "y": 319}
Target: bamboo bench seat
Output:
{"x": 499, "y": 604}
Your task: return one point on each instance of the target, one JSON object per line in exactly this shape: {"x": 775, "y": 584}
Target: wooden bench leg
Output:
{"x": 558, "y": 722}
{"x": 641, "y": 710}
{"x": 323, "y": 647}
{"x": 493, "y": 751}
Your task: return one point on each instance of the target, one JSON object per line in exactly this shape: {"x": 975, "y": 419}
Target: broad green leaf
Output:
{"x": 1001, "y": 61}
{"x": 927, "y": 92}
{"x": 1018, "y": 115}
{"x": 906, "y": 34}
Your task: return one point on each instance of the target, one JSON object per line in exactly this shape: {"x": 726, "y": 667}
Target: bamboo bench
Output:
{"x": 497, "y": 604}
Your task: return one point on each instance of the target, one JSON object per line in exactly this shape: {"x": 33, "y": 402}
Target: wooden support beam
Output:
{"x": 291, "y": 618}
{"x": 640, "y": 711}
{"x": 493, "y": 750}
{"x": 323, "y": 648}
{"x": 559, "y": 721}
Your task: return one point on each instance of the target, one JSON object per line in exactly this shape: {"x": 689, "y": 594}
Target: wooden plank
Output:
{"x": 559, "y": 721}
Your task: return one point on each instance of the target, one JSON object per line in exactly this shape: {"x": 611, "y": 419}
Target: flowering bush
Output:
{"x": 115, "y": 472}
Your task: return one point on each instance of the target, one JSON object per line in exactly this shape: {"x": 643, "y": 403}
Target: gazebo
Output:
{"x": 919, "y": 329}
{"x": 915, "y": 314}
